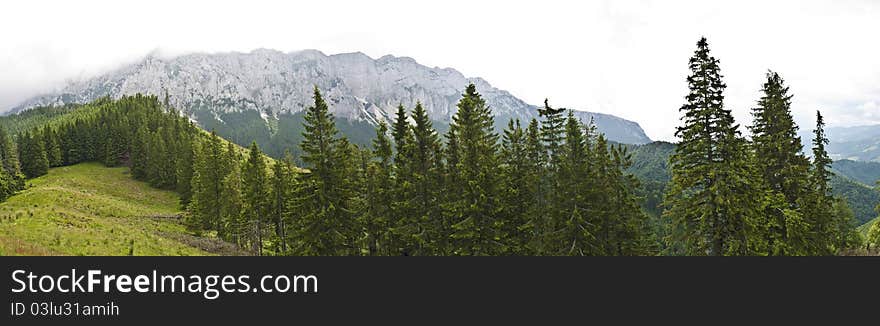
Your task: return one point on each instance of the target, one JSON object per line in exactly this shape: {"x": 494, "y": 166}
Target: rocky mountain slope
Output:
{"x": 231, "y": 92}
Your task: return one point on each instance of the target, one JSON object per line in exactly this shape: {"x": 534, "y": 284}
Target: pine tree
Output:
{"x": 820, "y": 205}
{"x": 184, "y": 170}
{"x": 453, "y": 188}
{"x": 34, "y": 162}
{"x": 378, "y": 190}
{"x": 401, "y": 134}
{"x": 7, "y": 185}
{"x": 476, "y": 225}
{"x": 782, "y": 166}
{"x": 209, "y": 169}
{"x": 138, "y": 154}
{"x": 9, "y": 163}
{"x": 53, "y": 147}
{"x": 257, "y": 194}
{"x": 518, "y": 181}
{"x": 283, "y": 187}
{"x": 327, "y": 227}
{"x": 538, "y": 224}
{"x": 630, "y": 234}
{"x": 552, "y": 131}
{"x": 846, "y": 234}
{"x": 783, "y": 169}
{"x": 710, "y": 198}
{"x": 405, "y": 221}
{"x": 573, "y": 223}
{"x": 418, "y": 221}
{"x": 232, "y": 225}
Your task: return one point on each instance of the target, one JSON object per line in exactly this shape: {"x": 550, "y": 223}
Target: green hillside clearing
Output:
{"x": 865, "y": 227}
{"x": 88, "y": 209}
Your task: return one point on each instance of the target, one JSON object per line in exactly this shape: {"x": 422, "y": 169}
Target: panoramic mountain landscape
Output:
{"x": 274, "y": 130}
{"x": 165, "y": 161}
{"x": 160, "y": 127}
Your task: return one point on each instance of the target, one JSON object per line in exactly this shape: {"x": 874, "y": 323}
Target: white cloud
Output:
{"x": 626, "y": 58}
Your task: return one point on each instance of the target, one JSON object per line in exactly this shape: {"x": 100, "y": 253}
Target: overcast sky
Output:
{"x": 627, "y": 58}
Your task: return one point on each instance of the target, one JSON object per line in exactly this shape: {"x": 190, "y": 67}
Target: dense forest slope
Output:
{"x": 88, "y": 209}
{"x": 867, "y": 173}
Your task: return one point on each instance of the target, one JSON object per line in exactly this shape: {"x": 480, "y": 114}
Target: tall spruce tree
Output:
{"x": 138, "y": 153}
{"x": 184, "y": 170}
{"x": 327, "y": 227}
{"x": 34, "y": 162}
{"x": 518, "y": 201}
{"x": 552, "y": 131}
{"x": 10, "y": 163}
{"x": 283, "y": 189}
{"x": 537, "y": 225}
{"x": 427, "y": 179}
{"x": 709, "y": 201}
{"x": 401, "y": 133}
{"x": 417, "y": 178}
{"x": 8, "y": 184}
{"x": 209, "y": 171}
{"x": 845, "y": 234}
{"x": 376, "y": 218}
{"x": 573, "y": 222}
{"x": 630, "y": 231}
{"x": 53, "y": 147}
{"x": 782, "y": 166}
{"x": 257, "y": 194}
{"x": 233, "y": 223}
{"x": 475, "y": 211}
{"x": 406, "y": 227}
{"x": 821, "y": 209}
{"x": 233, "y": 226}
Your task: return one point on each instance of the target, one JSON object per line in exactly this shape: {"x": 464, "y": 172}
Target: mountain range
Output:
{"x": 260, "y": 95}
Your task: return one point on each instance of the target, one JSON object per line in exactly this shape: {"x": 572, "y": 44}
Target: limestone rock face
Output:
{"x": 356, "y": 86}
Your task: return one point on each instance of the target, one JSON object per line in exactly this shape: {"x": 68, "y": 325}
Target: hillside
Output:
{"x": 261, "y": 95}
{"x": 867, "y": 173}
{"x": 88, "y": 209}
{"x": 863, "y": 229}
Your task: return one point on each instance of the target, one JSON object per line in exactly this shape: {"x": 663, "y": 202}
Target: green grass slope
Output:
{"x": 88, "y": 209}
{"x": 867, "y": 226}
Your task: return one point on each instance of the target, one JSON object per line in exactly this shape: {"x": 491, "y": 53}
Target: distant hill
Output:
{"x": 860, "y": 143}
{"x": 861, "y": 171}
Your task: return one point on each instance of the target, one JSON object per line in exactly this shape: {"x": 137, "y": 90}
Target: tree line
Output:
{"x": 554, "y": 187}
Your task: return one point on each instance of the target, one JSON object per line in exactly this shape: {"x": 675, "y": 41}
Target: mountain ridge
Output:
{"x": 274, "y": 83}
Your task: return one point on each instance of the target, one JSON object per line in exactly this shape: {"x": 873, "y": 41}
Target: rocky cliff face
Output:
{"x": 272, "y": 83}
